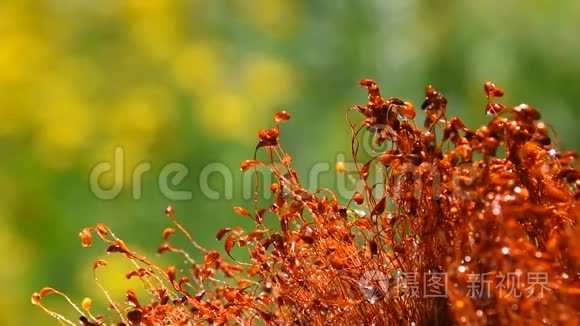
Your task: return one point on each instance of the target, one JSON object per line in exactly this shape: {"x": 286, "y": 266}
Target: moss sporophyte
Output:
{"x": 465, "y": 226}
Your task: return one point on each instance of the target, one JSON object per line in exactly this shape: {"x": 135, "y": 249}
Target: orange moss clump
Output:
{"x": 465, "y": 226}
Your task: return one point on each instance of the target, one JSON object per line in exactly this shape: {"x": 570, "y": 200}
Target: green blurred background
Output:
{"x": 192, "y": 82}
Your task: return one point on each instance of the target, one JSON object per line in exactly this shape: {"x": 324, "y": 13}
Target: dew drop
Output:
{"x": 170, "y": 211}
{"x": 340, "y": 167}
{"x": 505, "y": 250}
{"x": 496, "y": 208}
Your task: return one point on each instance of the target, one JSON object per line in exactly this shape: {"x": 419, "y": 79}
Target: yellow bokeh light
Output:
{"x": 267, "y": 80}
{"x": 154, "y": 25}
{"x": 226, "y": 115}
{"x": 64, "y": 126}
{"x": 278, "y": 18}
{"x": 197, "y": 68}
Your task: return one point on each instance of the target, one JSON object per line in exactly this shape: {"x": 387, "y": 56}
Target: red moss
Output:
{"x": 445, "y": 202}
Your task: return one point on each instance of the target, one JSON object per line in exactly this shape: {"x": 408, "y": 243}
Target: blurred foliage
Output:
{"x": 192, "y": 82}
